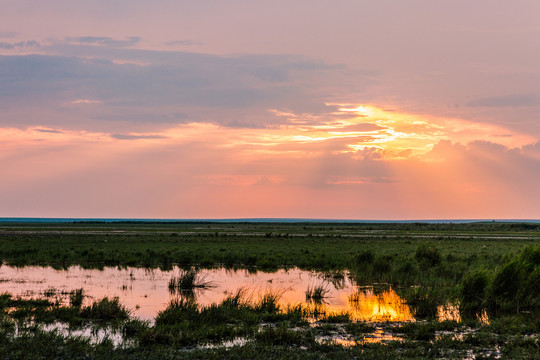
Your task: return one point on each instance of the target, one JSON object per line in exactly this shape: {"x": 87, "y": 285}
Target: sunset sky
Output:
{"x": 345, "y": 109}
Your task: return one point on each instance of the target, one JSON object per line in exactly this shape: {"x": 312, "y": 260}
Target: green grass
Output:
{"x": 491, "y": 267}
{"x": 270, "y": 333}
{"x": 105, "y": 310}
{"x": 309, "y": 246}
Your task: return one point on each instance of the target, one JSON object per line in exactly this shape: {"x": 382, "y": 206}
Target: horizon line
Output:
{"x": 251, "y": 220}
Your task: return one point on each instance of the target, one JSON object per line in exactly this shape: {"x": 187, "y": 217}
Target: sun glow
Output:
{"x": 393, "y": 134}
{"x": 350, "y": 129}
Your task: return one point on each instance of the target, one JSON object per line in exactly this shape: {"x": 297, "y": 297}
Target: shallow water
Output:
{"x": 146, "y": 292}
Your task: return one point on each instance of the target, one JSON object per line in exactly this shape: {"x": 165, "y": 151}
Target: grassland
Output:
{"x": 491, "y": 268}
{"x": 308, "y": 246}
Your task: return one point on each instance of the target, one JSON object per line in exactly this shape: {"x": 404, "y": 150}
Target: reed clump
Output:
{"x": 316, "y": 294}
{"x": 76, "y": 298}
{"x": 105, "y": 310}
{"x": 473, "y": 292}
{"x": 428, "y": 255}
{"x": 187, "y": 280}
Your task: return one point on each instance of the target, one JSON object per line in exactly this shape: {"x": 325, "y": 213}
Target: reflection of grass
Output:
{"x": 187, "y": 280}
{"x": 316, "y": 294}
{"x": 76, "y": 298}
{"x": 50, "y": 292}
{"x": 336, "y": 278}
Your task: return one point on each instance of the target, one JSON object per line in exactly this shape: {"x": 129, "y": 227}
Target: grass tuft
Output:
{"x": 105, "y": 310}
{"x": 76, "y": 298}
{"x": 473, "y": 292}
{"x": 187, "y": 280}
{"x": 427, "y": 255}
{"x": 316, "y": 294}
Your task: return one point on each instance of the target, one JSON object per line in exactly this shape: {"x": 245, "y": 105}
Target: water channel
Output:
{"x": 146, "y": 291}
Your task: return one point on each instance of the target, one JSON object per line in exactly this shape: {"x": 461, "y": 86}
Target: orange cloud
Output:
{"x": 357, "y": 162}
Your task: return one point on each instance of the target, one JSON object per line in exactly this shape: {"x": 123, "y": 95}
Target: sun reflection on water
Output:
{"x": 448, "y": 312}
{"x": 366, "y": 305}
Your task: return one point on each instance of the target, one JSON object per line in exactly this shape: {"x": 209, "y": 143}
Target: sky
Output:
{"x": 389, "y": 110}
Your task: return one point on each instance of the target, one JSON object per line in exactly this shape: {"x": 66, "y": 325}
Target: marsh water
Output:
{"x": 146, "y": 291}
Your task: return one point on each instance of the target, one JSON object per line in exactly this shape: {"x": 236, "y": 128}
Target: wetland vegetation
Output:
{"x": 467, "y": 291}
